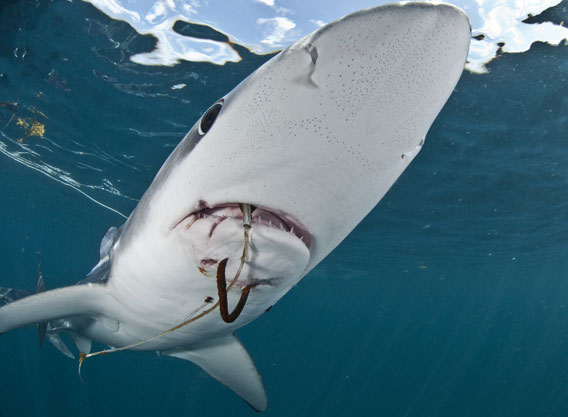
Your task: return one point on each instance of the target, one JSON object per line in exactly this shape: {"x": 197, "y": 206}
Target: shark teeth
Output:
{"x": 259, "y": 216}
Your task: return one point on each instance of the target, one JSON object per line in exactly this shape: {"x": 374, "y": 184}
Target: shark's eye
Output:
{"x": 209, "y": 117}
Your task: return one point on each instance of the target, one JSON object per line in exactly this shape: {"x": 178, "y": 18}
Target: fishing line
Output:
{"x": 247, "y": 220}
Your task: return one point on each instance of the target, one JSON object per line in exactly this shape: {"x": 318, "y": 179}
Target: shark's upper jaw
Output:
{"x": 261, "y": 216}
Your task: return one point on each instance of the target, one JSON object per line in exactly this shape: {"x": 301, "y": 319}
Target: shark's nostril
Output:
{"x": 314, "y": 54}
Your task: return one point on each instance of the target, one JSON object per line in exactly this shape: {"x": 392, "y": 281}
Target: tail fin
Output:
{"x": 44, "y": 328}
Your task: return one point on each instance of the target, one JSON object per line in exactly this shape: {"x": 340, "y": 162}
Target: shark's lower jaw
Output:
{"x": 261, "y": 216}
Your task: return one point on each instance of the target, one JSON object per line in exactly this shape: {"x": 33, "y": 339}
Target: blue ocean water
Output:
{"x": 449, "y": 299}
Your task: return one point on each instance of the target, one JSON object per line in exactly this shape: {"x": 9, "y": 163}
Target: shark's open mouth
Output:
{"x": 260, "y": 216}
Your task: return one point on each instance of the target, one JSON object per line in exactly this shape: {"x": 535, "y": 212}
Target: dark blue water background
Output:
{"x": 450, "y": 299}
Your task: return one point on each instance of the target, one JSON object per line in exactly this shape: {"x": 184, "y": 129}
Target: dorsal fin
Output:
{"x": 227, "y": 361}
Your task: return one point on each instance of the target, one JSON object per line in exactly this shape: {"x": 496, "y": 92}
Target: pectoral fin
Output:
{"x": 227, "y": 361}
{"x": 78, "y": 300}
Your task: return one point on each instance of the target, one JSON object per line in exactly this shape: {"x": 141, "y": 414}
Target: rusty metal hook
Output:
{"x": 222, "y": 290}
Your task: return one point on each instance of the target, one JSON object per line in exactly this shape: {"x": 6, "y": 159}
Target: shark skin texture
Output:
{"x": 263, "y": 187}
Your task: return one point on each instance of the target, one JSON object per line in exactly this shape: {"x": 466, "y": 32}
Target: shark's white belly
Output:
{"x": 161, "y": 285}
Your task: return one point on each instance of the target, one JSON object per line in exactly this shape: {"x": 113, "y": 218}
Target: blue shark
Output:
{"x": 264, "y": 186}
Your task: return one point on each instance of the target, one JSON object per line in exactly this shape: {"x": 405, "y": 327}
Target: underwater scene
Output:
{"x": 449, "y": 299}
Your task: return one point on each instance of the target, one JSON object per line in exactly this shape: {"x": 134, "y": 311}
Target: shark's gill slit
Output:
{"x": 247, "y": 210}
